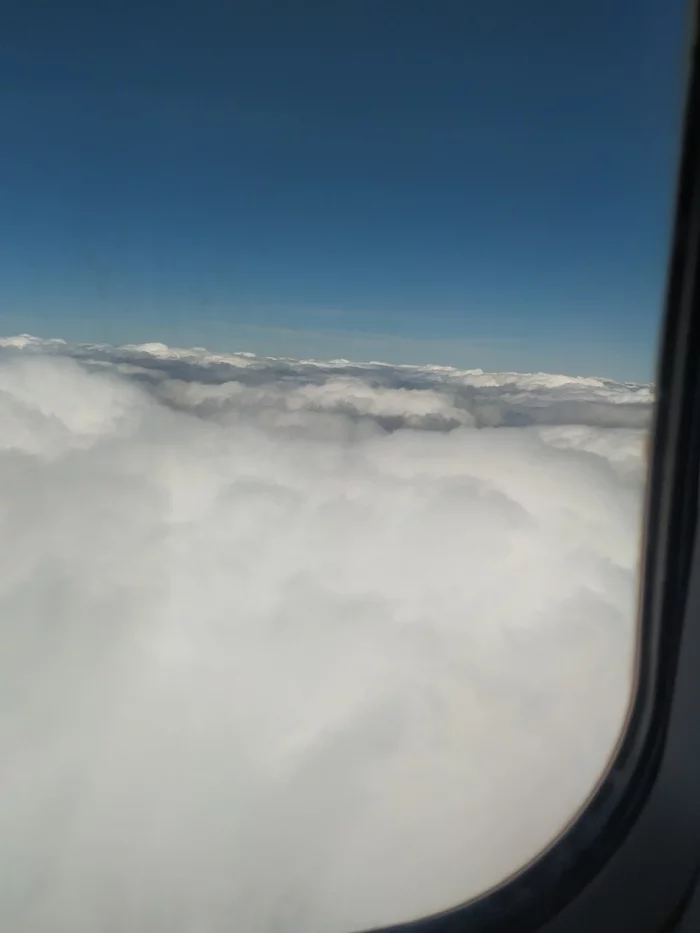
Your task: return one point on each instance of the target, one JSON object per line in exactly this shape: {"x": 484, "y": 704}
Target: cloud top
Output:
{"x": 295, "y": 645}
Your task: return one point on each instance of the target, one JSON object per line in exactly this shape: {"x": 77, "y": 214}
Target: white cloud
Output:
{"x": 273, "y": 656}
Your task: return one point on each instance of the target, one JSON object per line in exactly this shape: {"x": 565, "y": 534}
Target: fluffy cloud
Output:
{"x": 299, "y": 646}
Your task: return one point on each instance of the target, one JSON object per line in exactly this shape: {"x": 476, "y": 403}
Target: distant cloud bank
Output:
{"x": 429, "y": 397}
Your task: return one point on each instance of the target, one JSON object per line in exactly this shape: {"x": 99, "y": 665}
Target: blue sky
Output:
{"x": 485, "y": 184}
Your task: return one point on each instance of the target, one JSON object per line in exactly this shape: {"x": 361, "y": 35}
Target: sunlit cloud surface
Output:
{"x": 300, "y": 646}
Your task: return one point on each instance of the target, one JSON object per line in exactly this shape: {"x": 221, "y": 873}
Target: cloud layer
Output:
{"x": 290, "y": 645}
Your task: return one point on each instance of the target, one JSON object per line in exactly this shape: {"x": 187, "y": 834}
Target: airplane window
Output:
{"x": 327, "y": 373}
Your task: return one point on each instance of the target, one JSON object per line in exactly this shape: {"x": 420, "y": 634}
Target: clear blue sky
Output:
{"x": 478, "y": 183}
